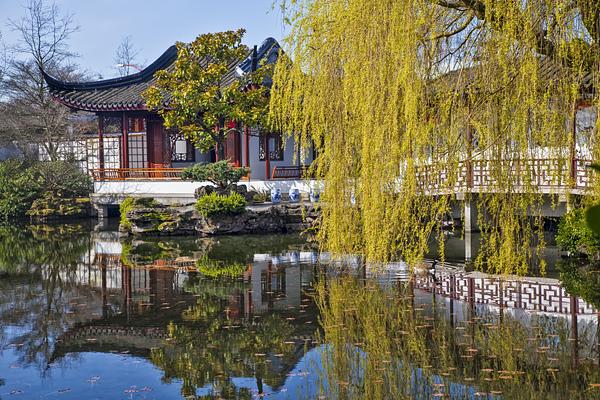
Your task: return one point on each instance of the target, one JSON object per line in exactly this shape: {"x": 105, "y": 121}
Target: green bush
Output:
{"x": 580, "y": 278}
{"x": 22, "y": 182}
{"x": 131, "y": 203}
{"x": 261, "y": 197}
{"x": 221, "y": 174}
{"x": 17, "y": 191}
{"x": 216, "y": 204}
{"x": 60, "y": 179}
{"x": 575, "y": 236}
{"x": 220, "y": 269}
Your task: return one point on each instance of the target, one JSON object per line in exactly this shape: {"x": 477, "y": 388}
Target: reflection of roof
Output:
{"x": 120, "y": 94}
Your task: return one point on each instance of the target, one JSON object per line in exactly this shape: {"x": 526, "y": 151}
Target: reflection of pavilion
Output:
{"x": 138, "y": 303}
{"x": 276, "y": 286}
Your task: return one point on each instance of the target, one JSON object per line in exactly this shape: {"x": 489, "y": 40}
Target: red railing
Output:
{"x": 295, "y": 172}
{"x": 137, "y": 174}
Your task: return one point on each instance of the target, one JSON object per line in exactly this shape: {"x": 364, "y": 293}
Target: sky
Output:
{"x": 153, "y": 25}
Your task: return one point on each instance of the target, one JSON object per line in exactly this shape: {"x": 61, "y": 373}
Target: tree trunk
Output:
{"x": 220, "y": 151}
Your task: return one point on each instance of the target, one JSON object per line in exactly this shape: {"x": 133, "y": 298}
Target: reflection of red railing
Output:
{"x": 143, "y": 174}
{"x": 525, "y": 294}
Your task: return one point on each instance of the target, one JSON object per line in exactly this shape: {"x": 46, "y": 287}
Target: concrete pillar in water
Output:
{"x": 101, "y": 211}
{"x": 468, "y": 228}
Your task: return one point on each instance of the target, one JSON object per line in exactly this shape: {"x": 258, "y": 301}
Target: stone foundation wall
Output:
{"x": 185, "y": 220}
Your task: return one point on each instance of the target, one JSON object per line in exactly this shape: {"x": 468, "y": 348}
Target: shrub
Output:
{"x": 131, "y": 203}
{"x": 221, "y": 174}
{"x": 60, "y": 178}
{"x": 23, "y": 182}
{"x": 575, "y": 236}
{"x": 216, "y": 204}
{"x": 17, "y": 191}
{"x": 580, "y": 278}
{"x": 261, "y": 197}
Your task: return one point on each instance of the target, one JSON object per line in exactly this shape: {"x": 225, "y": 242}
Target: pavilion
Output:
{"x": 132, "y": 142}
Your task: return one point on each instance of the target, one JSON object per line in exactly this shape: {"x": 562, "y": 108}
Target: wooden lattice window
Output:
{"x": 112, "y": 152}
{"x": 138, "y": 150}
{"x": 275, "y": 144}
{"x": 180, "y": 148}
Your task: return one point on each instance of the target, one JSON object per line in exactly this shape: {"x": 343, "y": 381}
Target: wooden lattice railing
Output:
{"x": 142, "y": 174}
{"x": 295, "y": 172}
{"x": 474, "y": 175}
{"x": 484, "y": 174}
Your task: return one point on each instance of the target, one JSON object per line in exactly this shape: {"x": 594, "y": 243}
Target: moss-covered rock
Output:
{"x": 52, "y": 208}
{"x": 143, "y": 216}
{"x": 161, "y": 220}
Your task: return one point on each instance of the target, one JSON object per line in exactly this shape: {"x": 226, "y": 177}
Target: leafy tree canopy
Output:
{"x": 196, "y": 98}
{"x": 221, "y": 173}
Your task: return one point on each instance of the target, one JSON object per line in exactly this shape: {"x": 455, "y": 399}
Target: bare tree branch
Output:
{"x": 44, "y": 33}
{"x": 544, "y": 45}
{"x": 28, "y": 114}
{"x": 456, "y": 31}
{"x": 125, "y": 56}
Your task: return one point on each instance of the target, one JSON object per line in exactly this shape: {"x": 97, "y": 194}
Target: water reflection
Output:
{"x": 246, "y": 317}
{"x": 399, "y": 342}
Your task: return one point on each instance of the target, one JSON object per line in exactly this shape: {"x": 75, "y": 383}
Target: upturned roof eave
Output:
{"x": 124, "y": 93}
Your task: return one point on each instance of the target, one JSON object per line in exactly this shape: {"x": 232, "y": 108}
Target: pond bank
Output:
{"x": 162, "y": 220}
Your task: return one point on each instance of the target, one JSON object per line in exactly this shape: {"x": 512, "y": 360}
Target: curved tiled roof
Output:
{"x": 125, "y": 93}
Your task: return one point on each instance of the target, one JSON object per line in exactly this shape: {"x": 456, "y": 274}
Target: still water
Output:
{"x": 87, "y": 315}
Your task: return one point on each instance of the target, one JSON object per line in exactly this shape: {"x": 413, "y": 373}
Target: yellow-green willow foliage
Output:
{"x": 382, "y": 88}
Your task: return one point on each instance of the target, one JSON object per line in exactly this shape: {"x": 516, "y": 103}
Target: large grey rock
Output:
{"x": 187, "y": 221}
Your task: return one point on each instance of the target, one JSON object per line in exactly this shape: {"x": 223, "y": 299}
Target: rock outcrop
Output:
{"x": 54, "y": 208}
{"x": 185, "y": 220}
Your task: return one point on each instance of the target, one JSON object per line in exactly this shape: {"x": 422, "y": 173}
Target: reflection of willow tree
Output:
{"x": 582, "y": 279}
{"x": 381, "y": 346}
{"x": 214, "y": 344}
{"x": 39, "y": 260}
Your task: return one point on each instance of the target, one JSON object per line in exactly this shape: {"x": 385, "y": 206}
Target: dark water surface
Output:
{"x": 86, "y": 315}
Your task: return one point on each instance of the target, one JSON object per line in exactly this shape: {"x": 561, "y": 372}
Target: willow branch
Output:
{"x": 456, "y": 31}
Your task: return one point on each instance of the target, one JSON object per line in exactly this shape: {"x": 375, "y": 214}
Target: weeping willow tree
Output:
{"x": 409, "y": 103}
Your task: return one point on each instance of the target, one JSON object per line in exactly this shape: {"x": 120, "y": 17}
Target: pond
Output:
{"x": 85, "y": 314}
